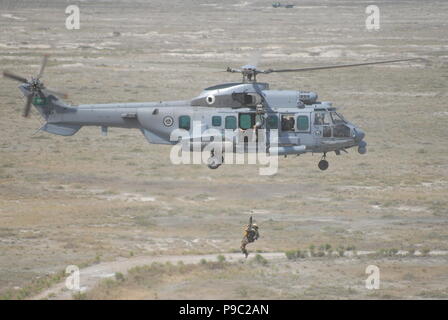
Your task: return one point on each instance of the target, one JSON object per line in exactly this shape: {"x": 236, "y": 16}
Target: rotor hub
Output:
{"x": 36, "y": 84}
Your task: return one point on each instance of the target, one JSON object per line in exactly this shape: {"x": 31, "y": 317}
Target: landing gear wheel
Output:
{"x": 323, "y": 164}
{"x": 213, "y": 163}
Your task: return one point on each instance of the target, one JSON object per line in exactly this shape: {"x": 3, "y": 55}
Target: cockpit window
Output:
{"x": 321, "y": 118}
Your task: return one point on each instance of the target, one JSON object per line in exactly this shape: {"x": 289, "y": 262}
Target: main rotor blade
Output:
{"x": 56, "y": 93}
{"x": 233, "y": 70}
{"x": 27, "y": 108}
{"x": 335, "y": 66}
{"x": 42, "y": 66}
{"x": 13, "y": 76}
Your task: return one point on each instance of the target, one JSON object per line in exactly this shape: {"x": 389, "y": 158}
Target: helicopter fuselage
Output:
{"x": 279, "y": 122}
{"x": 300, "y": 122}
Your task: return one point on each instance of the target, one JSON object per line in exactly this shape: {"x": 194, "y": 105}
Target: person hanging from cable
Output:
{"x": 250, "y": 235}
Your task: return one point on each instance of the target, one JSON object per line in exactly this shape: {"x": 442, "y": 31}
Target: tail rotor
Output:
{"x": 33, "y": 87}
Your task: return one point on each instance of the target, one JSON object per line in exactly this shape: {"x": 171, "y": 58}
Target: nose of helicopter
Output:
{"x": 359, "y": 135}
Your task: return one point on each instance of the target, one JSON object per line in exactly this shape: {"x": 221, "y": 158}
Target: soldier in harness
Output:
{"x": 250, "y": 235}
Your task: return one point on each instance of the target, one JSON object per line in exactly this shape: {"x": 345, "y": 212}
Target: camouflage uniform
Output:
{"x": 250, "y": 235}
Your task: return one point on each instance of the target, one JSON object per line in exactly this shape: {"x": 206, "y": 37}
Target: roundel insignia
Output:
{"x": 168, "y": 121}
{"x": 210, "y": 99}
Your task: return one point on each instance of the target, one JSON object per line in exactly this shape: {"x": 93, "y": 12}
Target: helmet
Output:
{"x": 255, "y": 226}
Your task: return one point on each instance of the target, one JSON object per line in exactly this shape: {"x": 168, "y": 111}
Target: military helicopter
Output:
{"x": 303, "y": 123}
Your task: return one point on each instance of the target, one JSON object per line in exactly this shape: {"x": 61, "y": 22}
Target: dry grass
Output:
{"x": 68, "y": 200}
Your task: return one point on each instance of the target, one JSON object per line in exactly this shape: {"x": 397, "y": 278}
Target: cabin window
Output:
{"x": 247, "y": 120}
{"x": 216, "y": 121}
{"x": 231, "y": 122}
{"x": 288, "y": 122}
{"x": 272, "y": 122}
{"x": 184, "y": 122}
{"x": 303, "y": 123}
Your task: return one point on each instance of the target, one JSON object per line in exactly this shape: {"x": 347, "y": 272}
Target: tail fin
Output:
{"x": 45, "y": 103}
{"x": 48, "y": 104}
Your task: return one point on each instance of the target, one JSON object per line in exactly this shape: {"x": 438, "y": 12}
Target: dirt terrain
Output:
{"x": 89, "y": 200}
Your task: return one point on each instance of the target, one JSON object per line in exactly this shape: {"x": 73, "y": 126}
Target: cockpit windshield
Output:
{"x": 325, "y": 118}
{"x": 337, "y": 118}
{"x": 333, "y": 124}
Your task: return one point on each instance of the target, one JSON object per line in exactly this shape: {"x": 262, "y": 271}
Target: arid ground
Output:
{"x": 91, "y": 200}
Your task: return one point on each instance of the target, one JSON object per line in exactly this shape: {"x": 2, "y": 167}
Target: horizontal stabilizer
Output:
{"x": 62, "y": 130}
